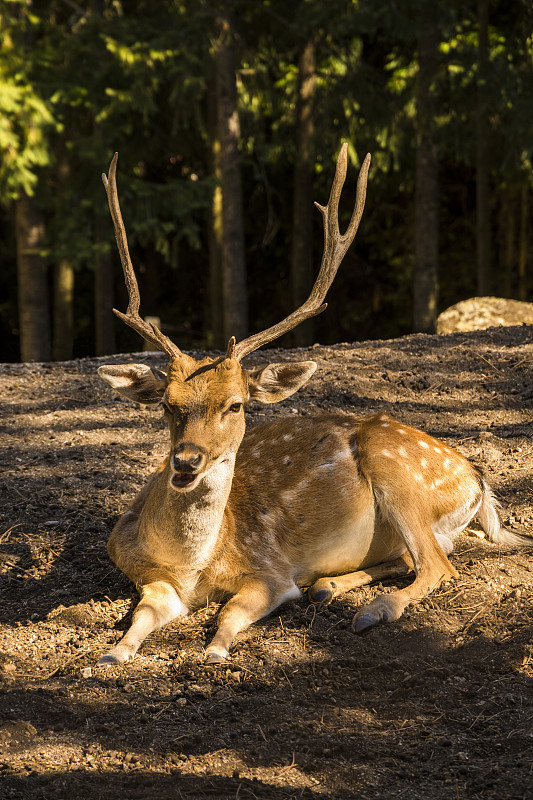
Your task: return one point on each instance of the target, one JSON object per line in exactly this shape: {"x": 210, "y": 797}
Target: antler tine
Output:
{"x": 148, "y": 331}
{"x": 335, "y": 247}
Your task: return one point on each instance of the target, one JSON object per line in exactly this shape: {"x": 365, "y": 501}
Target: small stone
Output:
{"x": 86, "y": 672}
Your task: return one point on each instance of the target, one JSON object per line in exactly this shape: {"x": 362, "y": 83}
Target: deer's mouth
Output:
{"x": 184, "y": 481}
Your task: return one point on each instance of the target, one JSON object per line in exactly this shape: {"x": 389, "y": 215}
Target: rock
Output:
{"x": 478, "y": 313}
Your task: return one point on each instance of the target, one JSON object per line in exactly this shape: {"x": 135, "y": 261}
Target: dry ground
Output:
{"x": 437, "y": 705}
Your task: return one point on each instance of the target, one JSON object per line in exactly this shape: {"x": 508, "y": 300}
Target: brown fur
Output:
{"x": 330, "y": 502}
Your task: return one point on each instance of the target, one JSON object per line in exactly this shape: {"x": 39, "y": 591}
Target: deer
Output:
{"x": 327, "y": 503}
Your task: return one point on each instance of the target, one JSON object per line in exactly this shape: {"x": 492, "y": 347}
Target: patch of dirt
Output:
{"x": 437, "y": 705}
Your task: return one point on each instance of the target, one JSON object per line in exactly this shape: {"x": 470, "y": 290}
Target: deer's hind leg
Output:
{"x": 431, "y": 566}
{"x": 325, "y": 589}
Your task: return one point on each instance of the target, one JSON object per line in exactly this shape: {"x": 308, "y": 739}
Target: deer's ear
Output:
{"x": 139, "y": 382}
{"x": 277, "y": 381}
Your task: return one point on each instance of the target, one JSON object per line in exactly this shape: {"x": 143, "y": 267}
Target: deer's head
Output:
{"x": 204, "y": 405}
{"x": 204, "y": 400}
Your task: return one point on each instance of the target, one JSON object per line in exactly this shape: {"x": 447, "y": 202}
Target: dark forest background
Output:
{"x": 228, "y": 117}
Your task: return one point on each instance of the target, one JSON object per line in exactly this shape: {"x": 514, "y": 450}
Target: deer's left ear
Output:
{"x": 277, "y": 381}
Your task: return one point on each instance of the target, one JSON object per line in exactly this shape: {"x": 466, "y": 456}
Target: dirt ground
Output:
{"x": 436, "y": 705}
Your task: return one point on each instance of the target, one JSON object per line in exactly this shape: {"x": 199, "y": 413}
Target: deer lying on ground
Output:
{"x": 331, "y": 502}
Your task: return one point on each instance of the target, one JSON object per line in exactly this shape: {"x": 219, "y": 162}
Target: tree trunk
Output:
{"x": 522, "y": 256}
{"x": 34, "y": 319}
{"x": 426, "y": 268}
{"x": 302, "y": 217}
{"x": 233, "y": 263}
{"x": 104, "y": 273}
{"x": 508, "y": 234}
{"x": 63, "y": 294}
{"x": 215, "y": 239}
{"x": 63, "y": 328}
{"x": 482, "y": 156}
{"x": 104, "y": 293}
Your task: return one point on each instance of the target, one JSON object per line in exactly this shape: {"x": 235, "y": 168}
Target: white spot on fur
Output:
{"x": 423, "y": 463}
{"x": 385, "y": 425}
{"x": 437, "y": 449}
{"x": 402, "y": 452}
{"x": 423, "y": 444}
{"x": 446, "y": 463}
{"x": 288, "y": 498}
{"x": 418, "y": 477}
{"x": 268, "y": 519}
{"x": 402, "y": 431}
{"x": 386, "y": 454}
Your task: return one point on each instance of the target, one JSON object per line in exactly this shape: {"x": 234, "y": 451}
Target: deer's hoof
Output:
{"x": 322, "y": 596}
{"x": 108, "y": 659}
{"x": 322, "y": 592}
{"x": 118, "y": 655}
{"x": 214, "y": 658}
{"x": 364, "y": 622}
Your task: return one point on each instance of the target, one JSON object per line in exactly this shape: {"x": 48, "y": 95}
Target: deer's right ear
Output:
{"x": 139, "y": 382}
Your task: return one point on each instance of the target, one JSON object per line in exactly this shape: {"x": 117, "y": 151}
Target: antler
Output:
{"x": 148, "y": 331}
{"x": 335, "y": 247}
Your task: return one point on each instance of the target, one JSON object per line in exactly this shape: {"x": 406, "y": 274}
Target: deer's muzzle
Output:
{"x": 188, "y": 462}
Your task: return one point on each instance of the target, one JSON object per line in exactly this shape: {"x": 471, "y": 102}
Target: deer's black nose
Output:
{"x": 188, "y": 457}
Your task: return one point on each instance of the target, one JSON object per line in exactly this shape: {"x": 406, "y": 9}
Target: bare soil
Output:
{"x": 436, "y": 705}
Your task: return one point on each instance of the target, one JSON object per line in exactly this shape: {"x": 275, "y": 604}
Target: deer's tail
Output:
{"x": 489, "y": 517}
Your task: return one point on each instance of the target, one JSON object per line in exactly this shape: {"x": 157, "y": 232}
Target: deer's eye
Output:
{"x": 235, "y": 408}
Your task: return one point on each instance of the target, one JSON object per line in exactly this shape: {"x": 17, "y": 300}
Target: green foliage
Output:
{"x": 78, "y": 83}
{"x": 26, "y": 117}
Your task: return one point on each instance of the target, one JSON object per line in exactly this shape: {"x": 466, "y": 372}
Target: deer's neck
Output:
{"x": 187, "y": 525}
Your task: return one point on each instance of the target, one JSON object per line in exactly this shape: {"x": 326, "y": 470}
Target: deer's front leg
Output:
{"x": 256, "y": 598}
{"x": 159, "y": 605}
